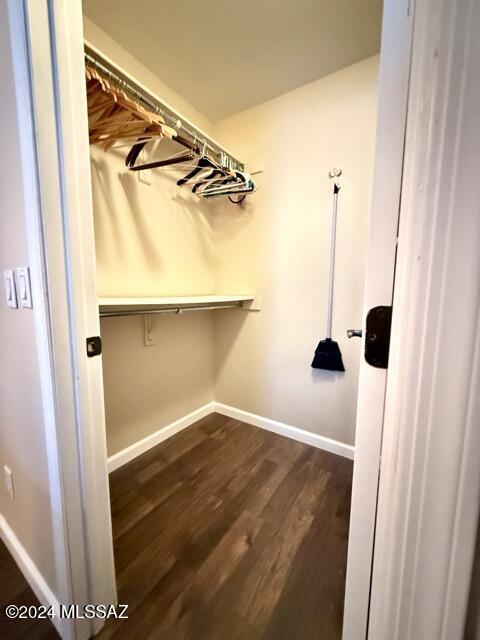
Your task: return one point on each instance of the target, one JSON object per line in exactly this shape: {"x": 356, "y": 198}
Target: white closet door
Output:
{"x": 387, "y": 180}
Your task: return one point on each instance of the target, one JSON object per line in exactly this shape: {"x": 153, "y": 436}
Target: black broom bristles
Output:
{"x": 328, "y": 356}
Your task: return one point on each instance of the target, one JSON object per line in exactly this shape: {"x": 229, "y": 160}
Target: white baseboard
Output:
{"x": 137, "y": 448}
{"x": 307, "y": 437}
{"x": 30, "y": 571}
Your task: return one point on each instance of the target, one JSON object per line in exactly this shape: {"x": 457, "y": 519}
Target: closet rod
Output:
{"x": 147, "y": 312}
{"x": 197, "y": 139}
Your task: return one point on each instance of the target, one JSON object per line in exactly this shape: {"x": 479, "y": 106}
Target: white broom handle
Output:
{"x": 336, "y": 189}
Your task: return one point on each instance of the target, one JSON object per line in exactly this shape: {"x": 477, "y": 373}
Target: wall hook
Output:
{"x": 335, "y": 173}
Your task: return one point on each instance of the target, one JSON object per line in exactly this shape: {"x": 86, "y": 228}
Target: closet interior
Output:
{"x": 218, "y": 149}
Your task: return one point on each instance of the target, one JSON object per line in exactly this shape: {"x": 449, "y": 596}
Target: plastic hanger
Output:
{"x": 203, "y": 163}
{"x": 241, "y": 183}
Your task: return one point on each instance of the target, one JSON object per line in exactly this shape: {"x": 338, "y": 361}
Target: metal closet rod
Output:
{"x": 178, "y": 310}
{"x": 171, "y": 117}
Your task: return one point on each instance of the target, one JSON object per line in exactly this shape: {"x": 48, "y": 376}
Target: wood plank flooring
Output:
{"x": 229, "y": 532}
{"x": 14, "y": 589}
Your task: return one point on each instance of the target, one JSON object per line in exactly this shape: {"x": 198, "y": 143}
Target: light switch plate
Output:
{"x": 24, "y": 290}
{"x": 10, "y": 290}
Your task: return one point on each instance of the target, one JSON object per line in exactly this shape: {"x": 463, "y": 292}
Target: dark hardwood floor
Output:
{"x": 14, "y": 589}
{"x": 229, "y": 532}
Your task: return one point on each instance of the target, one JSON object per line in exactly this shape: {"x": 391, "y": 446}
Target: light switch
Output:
{"x": 24, "y": 290}
{"x": 10, "y": 290}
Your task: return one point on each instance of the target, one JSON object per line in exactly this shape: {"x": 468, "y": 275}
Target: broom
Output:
{"x": 327, "y": 354}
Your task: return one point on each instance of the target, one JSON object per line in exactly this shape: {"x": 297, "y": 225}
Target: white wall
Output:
{"x": 160, "y": 240}
{"x": 151, "y": 240}
{"x": 126, "y": 59}
{"x": 22, "y": 437}
{"x": 147, "y": 388}
{"x": 278, "y": 247}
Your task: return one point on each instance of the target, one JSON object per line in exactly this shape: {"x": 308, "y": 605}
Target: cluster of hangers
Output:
{"x": 114, "y": 117}
{"x": 206, "y": 177}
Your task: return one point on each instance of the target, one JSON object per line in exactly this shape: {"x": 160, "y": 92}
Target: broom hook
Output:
{"x": 334, "y": 173}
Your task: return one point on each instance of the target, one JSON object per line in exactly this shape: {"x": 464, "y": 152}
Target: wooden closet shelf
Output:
{"x": 132, "y": 306}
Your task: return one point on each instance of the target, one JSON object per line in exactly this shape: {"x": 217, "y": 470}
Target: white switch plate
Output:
{"x": 8, "y": 479}
{"x": 24, "y": 290}
{"x": 10, "y": 290}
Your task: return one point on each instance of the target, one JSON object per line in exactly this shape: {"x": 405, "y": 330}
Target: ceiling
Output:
{"x": 224, "y": 56}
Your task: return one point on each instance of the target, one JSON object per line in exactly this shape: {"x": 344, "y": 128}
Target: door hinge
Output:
{"x": 94, "y": 346}
{"x": 377, "y": 337}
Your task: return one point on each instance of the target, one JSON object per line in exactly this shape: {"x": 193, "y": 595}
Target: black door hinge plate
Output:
{"x": 94, "y": 346}
{"x": 377, "y": 337}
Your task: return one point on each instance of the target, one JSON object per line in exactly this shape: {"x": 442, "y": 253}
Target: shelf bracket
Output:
{"x": 147, "y": 330}
{"x": 252, "y": 305}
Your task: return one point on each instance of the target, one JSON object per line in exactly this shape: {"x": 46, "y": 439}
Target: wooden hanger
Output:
{"x": 114, "y": 116}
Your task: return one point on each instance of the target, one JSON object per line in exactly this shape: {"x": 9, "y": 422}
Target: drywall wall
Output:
{"x": 22, "y": 437}
{"x": 269, "y": 47}
{"x": 129, "y": 63}
{"x": 158, "y": 240}
{"x": 151, "y": 240}
{"x": 147, "y": 388}
{"x": 278, "y": 247}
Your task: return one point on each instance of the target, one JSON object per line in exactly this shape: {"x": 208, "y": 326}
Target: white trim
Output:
{"x": 430, "y": 474}
{"x": 30, "y": 571}
{"x": 48, "y": 44}
{"x": 31, "y": 58}
{"x": 287, "y": 430}
{"x": 77, "y": 229}
{"x": 137, "y": 448}
{"x": 395, "y": 57}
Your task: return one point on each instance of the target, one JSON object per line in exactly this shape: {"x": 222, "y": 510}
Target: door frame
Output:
{"x": 47, "y": 46}
{"x": 57, "y": 417}
{"x": 58, "y": 46}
